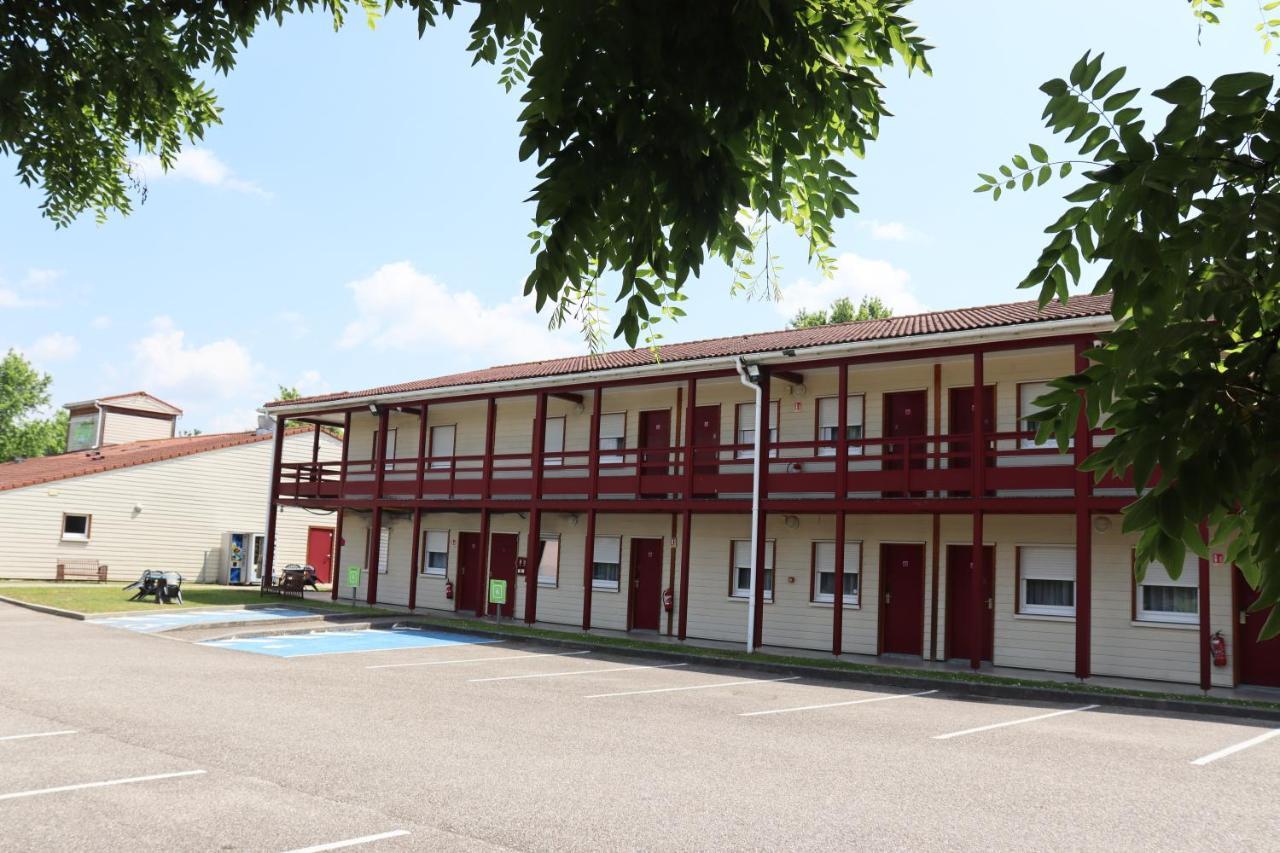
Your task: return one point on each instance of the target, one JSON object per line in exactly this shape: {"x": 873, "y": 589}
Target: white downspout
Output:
{"x": 755, "y": 503}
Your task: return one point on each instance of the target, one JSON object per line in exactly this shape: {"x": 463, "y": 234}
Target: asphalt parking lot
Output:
{"x": 119, "y": 739}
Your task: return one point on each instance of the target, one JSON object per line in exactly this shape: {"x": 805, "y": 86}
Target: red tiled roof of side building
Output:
{"x": 937, "y": 322}
{"x": 78, "y": 463}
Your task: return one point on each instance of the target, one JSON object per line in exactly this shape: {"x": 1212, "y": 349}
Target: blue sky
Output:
{"x": 358, "y": 217}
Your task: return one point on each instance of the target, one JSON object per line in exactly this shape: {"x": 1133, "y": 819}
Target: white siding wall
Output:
{"x": 187, "y": 504}
{"x": 121, "y": 427}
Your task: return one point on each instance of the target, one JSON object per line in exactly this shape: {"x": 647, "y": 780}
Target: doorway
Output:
{"x": 655, "y": 441}
{"x": 504, "y": 548}
{"x": 706, "y": 435}
{"x": 902, "y": 598}
{"x": 960, "y": 423}
{"x": 646, "y": 583}
{"x": 959, "y": 608}
{"x": 470, "y": 578}
{"x": 905, "y": 416}
{"x": 320, "y": 552}
{"x": 1259, "y": 660}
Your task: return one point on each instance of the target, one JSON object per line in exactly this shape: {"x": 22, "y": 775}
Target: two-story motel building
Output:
{"x": 639, "y": 491}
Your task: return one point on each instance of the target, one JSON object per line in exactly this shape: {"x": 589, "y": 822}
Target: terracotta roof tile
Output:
{"x": 63, "y": 466}
{"x": 956, "y": 320}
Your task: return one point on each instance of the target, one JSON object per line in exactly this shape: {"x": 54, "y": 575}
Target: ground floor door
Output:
{"x": 646, "y": 583}
{"x": 320, "y": 552}
{"x": 470, "y": 580}
{"x": 504, "y": 548}
{"x": 960, "y": 629}
{"x": 1259, "y": 661}
{"x": 902, "y": 598}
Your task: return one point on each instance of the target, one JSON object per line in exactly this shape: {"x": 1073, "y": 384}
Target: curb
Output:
{"x": 363, "y": 623}
{"x": 892, "y": 679}
{"x": 45, "y": 608}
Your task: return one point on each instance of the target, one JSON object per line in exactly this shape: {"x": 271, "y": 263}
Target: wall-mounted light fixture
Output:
{"x": 792, "y": 522}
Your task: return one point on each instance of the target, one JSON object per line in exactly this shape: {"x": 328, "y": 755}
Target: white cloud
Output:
{"x": 855, "y": 277}
{"x": 201, "y": 166}
{"x": 399, "y": 308}
{"x": 165, "y": 362}
{"x": 35, "y": 280}
{"x": 102, "y": 321}
{"x": 892, "y": 231}
{"x": 233, "y": 420}
{"x": 54, "y": 347}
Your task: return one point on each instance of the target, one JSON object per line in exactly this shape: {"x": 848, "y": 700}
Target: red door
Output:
{"x": 902, "y": 599}
{"x": 646, "y": 583}
{"x": 960, "y": 423}
{"x": 470, "y": 578}
{"x": 1259, "y": 661}
{"x": 959, "y": 608}
{"x": 655, "y": 441}
{"x": 320, "y": 552}
{"x": 503, "y": 550}
{"x": 706, "y": 434}
{"x": 905, "y": 416}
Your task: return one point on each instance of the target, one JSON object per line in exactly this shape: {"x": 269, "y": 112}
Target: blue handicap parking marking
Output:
{"x": 148, "y": 623}
{"x": 346, "y": 642}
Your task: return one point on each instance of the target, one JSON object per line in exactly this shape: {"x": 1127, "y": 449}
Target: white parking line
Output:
{"x": 1231, "y": 750}
{"x": 575, "y": 672}
{"x": 476, "y": 660}
{"x": 1013, "y": 722}
{"x": 18, "y": 794}
{"x": 836, "y": 704}
{"x": 38, "y": 734}
{"x": 692, "y": 687}
{"x": 352, "y": 842}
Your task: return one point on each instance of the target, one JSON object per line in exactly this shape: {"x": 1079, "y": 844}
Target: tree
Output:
{"x": 1183, "y": 223}
{"x": 24, "y": 392}
{"x": 654, "y": 123}
{"x": 842, "y": 311}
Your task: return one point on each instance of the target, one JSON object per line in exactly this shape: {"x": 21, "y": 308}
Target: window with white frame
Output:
{"x": 824, "y": 571}
{"x": 384, "y": 549}
{"x": 75, "y": 527}
{"x": 82, "y": 431}
{"x": 746, "y": 414}
{"x": 390, "y": 454}
{"x": 606, "y": 563}
{"x": 435, "y": 552}
{"x": 740, "y": 581}
{"x": 1047, "y": 580}
{"x": 613, "y": 435}
{"x": 553, "y": 442}
{"x": 549, "y": 565}
{"x": 441, "y": 450}
{"x": 829, "y": 423}
{"x": 1160, "y": 598}
{"x": 1028, "y": 393}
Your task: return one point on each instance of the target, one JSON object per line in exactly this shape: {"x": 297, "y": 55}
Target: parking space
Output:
{"x": 151, "y": 621}
{"x": 455, "y": 741}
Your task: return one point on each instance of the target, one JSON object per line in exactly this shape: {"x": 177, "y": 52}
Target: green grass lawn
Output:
{"x": 88, "y": 597}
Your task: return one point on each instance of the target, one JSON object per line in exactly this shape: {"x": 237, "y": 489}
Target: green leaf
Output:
{"x": 1231, "y": 85}
{"x": 1107, "y": 83}
{"x": 1038, "y": 153}
{"x": 1184, "y": 90}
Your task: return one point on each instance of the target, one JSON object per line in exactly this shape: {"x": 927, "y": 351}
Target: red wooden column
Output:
{"x": 483, "y": 568}
{"x": 1205, "y": 678}
{"x": 690, "y": 409}
{"x": 315, "y": 451}
{"x": 1084, "y": 534}
{"x": 414, "y": 554}
{"x": 593, "y": 488}
{"x": 762, "y": 425}
{"x": 375, "y": 523}
{"x": 533, "y": 548}
{"x": 342, "y": 493}
{"x": 686, "y": 543}
{"x": 837, "y": 604}
{"x": 589, "y": 557}
{"x": 273, "y": 492}
{"x": 978, "y": 463}
{"x": 420, "y": 469}
{"x": 490, "y": 432}
{"x": 335, "y": 579}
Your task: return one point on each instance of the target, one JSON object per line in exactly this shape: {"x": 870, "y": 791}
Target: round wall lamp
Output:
{"x": 791, "y": 521}
{"x": 1101, "y": 524}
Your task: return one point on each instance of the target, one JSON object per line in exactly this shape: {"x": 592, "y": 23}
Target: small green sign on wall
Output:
{"x": 353, "y": 576}
{"x": 497, "y": 592}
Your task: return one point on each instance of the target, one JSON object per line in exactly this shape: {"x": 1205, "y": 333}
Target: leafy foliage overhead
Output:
{"x": 24, "y": 393}
{"x": 653, "y": 122}
{"x": 1183, "y": 223}
{"x": 842, "y": 310}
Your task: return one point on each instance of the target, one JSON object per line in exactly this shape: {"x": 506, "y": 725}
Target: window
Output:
{"x": 553, "y": 441}
{"x": 75, "y": 528}
{"x": 1028, "y": 393}
{"x": 740, "y": 582}
{"x": 384, "y": 548}
{"x": 829, "y": 423}
{"x": 549, "y": 565}
{"x": 1160, "y": 598}
{"x": 435, "y": 552}
{"x": 824, "y": 571}
{"x": 441, "y": 449}
{"x": 613, "y": 435}
{"x": 606, "y": 563}
{"x": 390, "y": 455}
{"x": 746, "y": 429}
{"x": 82, "y": 431}
{"x": 1047, "y": 580}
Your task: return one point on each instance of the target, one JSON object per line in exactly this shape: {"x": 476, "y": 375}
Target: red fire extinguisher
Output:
{"x": 1218, "y": 648}
{"x": 667, "y": 599}
{"x": 448, "y": 590}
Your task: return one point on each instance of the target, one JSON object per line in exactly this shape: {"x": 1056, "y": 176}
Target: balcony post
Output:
{"x": 374, "y": 552}
{"x": 593, "y": 450}
{"x": 414, "y": 555}
{"x": 533, "y": 549}
{"x": 375, "y": 523}
{"x": 837, "y": 599}
{"x": 978, "y": 462}
{"x": 486, "y": 477}
{"x": 761, "y": 518}
{"x": 686, "y": 539}
{"x": 589, "y": 557}
{"x": 380, "y": 452}
{"x": 273, "y": 492}
{"x": 1205, "y": 678}
{"x": 335, "y": 566}
{"x": 482, "y": 598}
{"x": 315, "y": 450}
{"x": 842, "y": 437}
{"x": 1084, "y": 535}
{"x": 691, "y": 407}
{"x": 420, "y": 469}
{"x": 342, "y": 493}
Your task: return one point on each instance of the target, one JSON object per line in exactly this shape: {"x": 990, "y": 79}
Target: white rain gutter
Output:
{"x": 745, "y": 378}
{"x": 1101, "y": 323}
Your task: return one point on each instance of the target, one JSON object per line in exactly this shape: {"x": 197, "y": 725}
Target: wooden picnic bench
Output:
{"x": 288, "y": 583}
{"x": 86, "y": 570}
